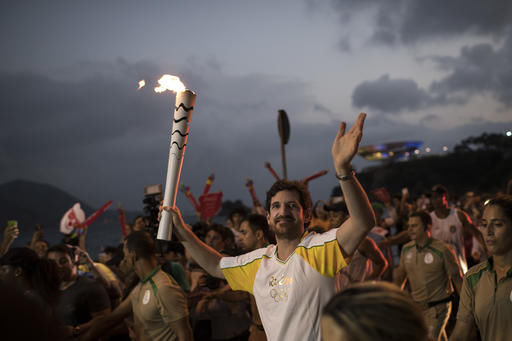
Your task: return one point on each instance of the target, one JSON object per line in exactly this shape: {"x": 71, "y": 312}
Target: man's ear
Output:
{"x": 259, "y": 234}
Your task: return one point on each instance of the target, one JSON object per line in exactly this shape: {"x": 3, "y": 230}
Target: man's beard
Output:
{"x": 291, "y": 232}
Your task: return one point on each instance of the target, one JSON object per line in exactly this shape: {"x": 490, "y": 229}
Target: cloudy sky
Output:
{"x": 71, "y": 114}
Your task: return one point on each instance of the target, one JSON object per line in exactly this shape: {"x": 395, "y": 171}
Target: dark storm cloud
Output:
{"x": 413, "y": 21}
{"x": 390, "y": 95}
{"x": 99, "y": 138}
{"x": 424, "y": 19}
{"x": 478, "y": 69}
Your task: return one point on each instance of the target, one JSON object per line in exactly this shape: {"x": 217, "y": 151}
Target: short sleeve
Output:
{"x": 240, "y": 271}
{"x": 323, "y": 253}
{"x": 466, "y": 304}
{"x": 172, "y": 303}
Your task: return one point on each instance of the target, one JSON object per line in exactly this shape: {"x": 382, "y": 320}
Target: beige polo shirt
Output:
{"x": 156, "y": 301}
{"x": 486, "y": 302}
{"x": 429, "y": 269}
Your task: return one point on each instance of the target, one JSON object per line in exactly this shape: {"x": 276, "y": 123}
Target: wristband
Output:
{"x": 349, "y": 176}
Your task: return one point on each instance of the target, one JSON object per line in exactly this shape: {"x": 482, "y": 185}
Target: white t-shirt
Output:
{"x": 289, "y": 294}
{"x": 449, "y": 230}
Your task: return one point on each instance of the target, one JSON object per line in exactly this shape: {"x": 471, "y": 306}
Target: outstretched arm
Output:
{"x": 468, "y": 226}
{"x": 362, "y": 218}
{"x": 370, "y": 250}
{"x": 205, "y": 256}
{"x": 102, "y": 324}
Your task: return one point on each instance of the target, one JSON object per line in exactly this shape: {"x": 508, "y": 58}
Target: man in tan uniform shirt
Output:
{"x": 157, "y": 302}
{"x": 431, "y": 267}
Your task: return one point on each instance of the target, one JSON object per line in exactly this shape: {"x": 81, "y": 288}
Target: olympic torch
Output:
{"x": 183, "y": 110}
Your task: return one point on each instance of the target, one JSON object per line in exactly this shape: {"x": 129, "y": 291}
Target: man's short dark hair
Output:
{"x": 175, "y": 247}
{"x": 258, "y": 222}
{"x": 425, "y": 218}
{"x": 300, "y": 188}
{"x": 142, "y": 243}
{"x": 440, "y": 189}
{"x": 225, "y": 233}
{"x": 337, "y": 207}
{"x": 62, "y": 248}
{"x": 242, "y": 211}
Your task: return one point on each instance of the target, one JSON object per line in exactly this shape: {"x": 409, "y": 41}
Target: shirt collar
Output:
{"x": 489, "y": 267}
{"x": 153, "y": 272}
{"x": 420, "y": 248}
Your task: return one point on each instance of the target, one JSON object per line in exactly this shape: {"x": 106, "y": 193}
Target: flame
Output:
{"x": 171, "y": 83}
{"x": 141, "y": 84}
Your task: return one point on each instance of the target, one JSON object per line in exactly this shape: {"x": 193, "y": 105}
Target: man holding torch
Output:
{"x": 293, "y": 280}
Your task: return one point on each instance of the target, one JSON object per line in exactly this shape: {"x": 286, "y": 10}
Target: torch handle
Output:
{"x": 179, "y": 135}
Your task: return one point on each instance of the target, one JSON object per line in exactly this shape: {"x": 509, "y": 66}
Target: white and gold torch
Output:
{"x": 179, "y": 134}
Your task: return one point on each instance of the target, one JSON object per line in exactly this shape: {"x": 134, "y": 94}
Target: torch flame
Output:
{"x": 141, "y": 84}
{"x": 171, "y": 83}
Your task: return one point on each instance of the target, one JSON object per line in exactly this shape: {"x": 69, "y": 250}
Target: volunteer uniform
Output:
{"x": 429, "y": 269}
{"x": 289, "y": 294}
{"x": 156, "y": 301}
{"x": 486, "y": 302}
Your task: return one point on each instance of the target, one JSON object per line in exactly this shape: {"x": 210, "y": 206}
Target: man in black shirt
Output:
{"x": 81, "y": 299}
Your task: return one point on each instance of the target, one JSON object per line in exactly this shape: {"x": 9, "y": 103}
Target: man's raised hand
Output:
{"x": 176, "y": 218}
{"x": 345, "y": 146}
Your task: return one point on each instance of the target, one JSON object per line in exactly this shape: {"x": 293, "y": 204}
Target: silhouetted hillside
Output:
{"x": 31, "y": 203}
{"x": 480, "y": 171}
{"x": 482, "y": 164}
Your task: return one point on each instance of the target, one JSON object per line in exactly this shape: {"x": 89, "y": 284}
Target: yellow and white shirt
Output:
{"x": 289, "y": 294}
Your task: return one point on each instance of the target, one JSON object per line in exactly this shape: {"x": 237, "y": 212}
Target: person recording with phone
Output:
{"x": 11, "y": 232}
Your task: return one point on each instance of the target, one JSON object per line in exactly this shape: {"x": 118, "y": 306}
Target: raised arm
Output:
{"x": 362, "y": 218}
{"x": 468, "y": 226}
{"x": 370, "y": 250}
{"x": 205, "y": 256}
{"x": 10, "y": 234}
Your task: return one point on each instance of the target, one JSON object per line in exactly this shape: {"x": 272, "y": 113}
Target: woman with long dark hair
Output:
{"x": 35, "y": 277}
{"x": 29, "y": 289}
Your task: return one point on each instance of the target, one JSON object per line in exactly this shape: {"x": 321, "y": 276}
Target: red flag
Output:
{"x": 210, "y": 204}
{"x": 314, "y": 176}
{"x": 122, "y": 220}
{"x": 96, "y": 214}
{"x": 190, "y": 197}
{"x": 269, "y": 167}
{"x": 209, "y": 182}
{"x": 250, "y": 186}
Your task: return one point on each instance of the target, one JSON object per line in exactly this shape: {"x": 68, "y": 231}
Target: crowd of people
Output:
{"x": 432, "y": 267}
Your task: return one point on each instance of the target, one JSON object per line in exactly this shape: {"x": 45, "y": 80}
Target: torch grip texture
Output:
{"x": 179, "y": 135}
